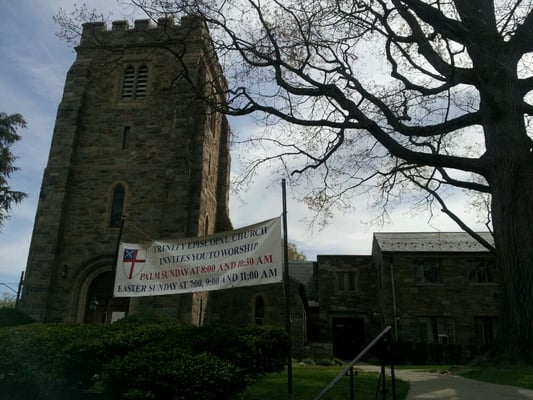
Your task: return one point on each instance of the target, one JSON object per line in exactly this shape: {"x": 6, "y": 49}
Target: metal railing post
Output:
{"x": 391, "y": 363}
{"x": 387, "y": 358}
{"x": 351, "y": 384}
{"x": 383, "y": 381}
{"x": 352, "y": 363}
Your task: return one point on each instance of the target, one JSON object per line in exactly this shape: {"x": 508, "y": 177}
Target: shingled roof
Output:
{"x": 459, "y": 242}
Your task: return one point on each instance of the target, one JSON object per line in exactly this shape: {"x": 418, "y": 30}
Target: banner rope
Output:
{"x": 139, "y": 229}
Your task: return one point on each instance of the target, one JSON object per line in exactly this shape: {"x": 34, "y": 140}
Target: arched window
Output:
{"x": 117, "y": 206}
{"x": 135, "y": 82}
{"x": 259, "y": 310}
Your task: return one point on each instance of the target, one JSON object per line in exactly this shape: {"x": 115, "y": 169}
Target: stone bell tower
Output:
{"x": 132, "y": 137}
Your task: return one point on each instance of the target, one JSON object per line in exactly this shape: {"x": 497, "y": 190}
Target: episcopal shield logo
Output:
{"x": 133, "y": 261}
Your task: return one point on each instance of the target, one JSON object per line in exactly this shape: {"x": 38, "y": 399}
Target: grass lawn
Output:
{"x": 308, "y": 382}
{"x": 519, "y": 376}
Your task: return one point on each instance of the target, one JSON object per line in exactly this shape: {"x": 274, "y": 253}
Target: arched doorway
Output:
{"x": 100, "y": 305}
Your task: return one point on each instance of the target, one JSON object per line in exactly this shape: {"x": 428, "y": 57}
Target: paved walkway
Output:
{"x": 450, "y": 387}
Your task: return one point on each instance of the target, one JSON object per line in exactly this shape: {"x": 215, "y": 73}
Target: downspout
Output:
{"x": 394, "y": 311}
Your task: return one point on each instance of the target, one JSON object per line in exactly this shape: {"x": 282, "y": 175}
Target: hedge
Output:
{"x": 13, "y": 317}
{"x": 135, "y": 359}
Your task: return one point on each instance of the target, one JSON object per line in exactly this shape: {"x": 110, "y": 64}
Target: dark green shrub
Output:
{"x": 264, "y": 349}
{"x": 212, "y": 361}
{"x": 143, "y": 318}
{"x": 13, "y": 317}
{"x": 256, "y": 350}
{"x": 88, "y": 354}
{"x": 34, "y": 358}
{"x": 160, "y": 359}
{"x": 152, "y": 372}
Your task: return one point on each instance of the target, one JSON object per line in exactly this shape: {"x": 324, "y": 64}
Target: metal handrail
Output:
{"x": 352, "y": 363}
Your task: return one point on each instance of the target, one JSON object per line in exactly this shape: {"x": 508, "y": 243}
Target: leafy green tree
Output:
{"x": 9, "y": 124}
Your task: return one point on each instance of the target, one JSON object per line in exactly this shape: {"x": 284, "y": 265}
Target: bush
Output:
{"x": 212, "y": 362}
{"x": 98, "y": 345}
{"x": 132, "y": 359}
{"x": 34, "y": 359}
{"x": 13, "y": 317}
{"x": 255, "y": 350}
{"x": 153, "y": 373}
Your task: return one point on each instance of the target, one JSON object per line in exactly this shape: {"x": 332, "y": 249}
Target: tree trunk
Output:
{"x": 510, "y": 174}
{"x": 512, "y": 210}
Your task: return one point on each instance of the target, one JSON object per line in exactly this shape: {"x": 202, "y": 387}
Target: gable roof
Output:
{"x": 459, "y": 242}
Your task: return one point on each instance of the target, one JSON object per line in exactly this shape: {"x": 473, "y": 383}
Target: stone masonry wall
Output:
{"x": 455, "y": 297}
{"x": 361, "y": 303}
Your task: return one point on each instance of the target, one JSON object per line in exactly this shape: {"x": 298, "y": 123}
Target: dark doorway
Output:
{"x": 348, "y": 337}
{"x": 101, "y": 306}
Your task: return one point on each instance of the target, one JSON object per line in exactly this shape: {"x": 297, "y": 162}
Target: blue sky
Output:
{"x": 33, "y": 66}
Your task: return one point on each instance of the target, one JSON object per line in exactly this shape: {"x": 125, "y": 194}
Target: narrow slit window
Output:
{"x": 117, "y": 206}
{"x": 126, "y": 137}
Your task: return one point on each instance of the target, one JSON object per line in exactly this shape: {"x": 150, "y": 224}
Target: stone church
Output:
{"x": 134, "y": 138}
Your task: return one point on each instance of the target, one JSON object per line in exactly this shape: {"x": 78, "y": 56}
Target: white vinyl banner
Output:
{"x": 243, "y": 257}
